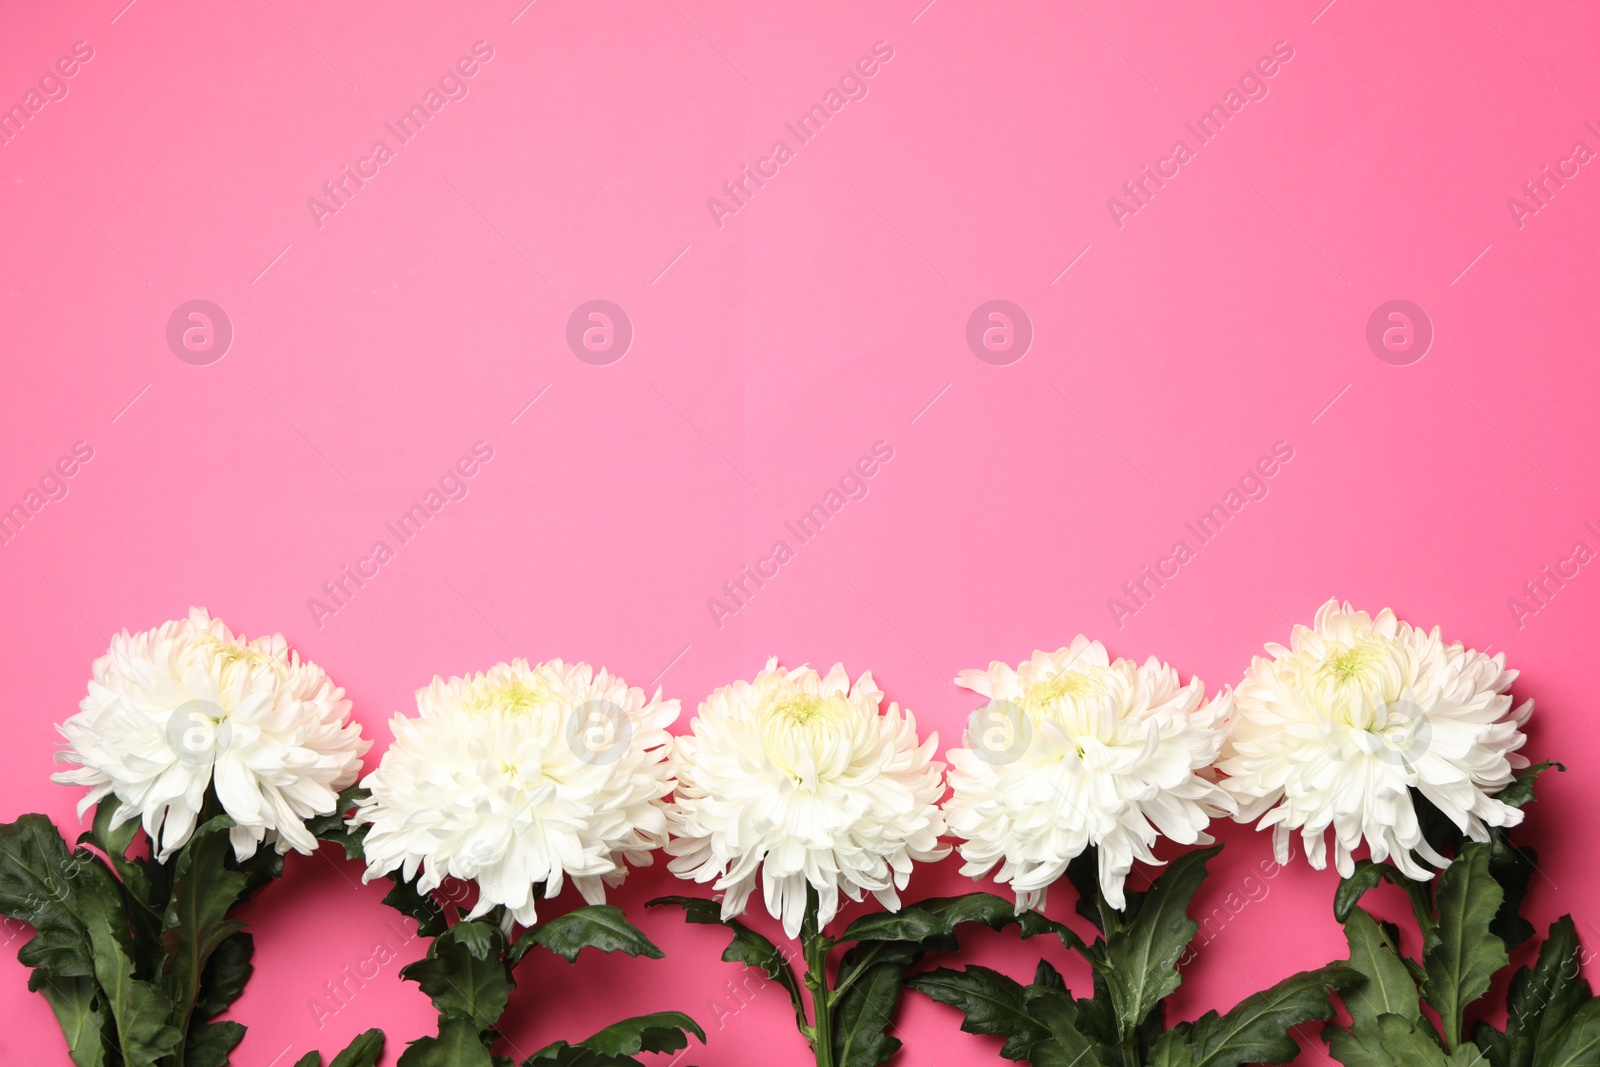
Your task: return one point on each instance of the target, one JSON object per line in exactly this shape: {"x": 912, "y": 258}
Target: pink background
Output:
{"x": 827, "y": 314}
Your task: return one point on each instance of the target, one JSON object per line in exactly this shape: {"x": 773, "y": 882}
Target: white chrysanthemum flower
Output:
{"x": 1338, "y": 728}
{"x": 522, "y": 776}
{"x": 1073, "y": 750}
{"x": 801, "y": 776}
{"x": 187, "y": 706}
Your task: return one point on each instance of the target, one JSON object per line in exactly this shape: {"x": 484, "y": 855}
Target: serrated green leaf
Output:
{"x": 210, "y": 1043}
{"x": 1172, "y": 1050}
{"x": 1578, "y": 1043}
{"x": 1464, "y": 959}
{"x": 226, "y": 973}
{"x": 662, "y": 1031}
{"x": 1141, "y": 957}
{"x": 1513, "y": 868}
{"x": 462, "y": 984}
{"x": 333, "y": 829}
{"x": 1083, "y": 871}
{"x": 310, "y": 1059}
{"x": 205, "y": 889}
{"x": 1542, "y": 999}
{"x": 870, "y": 978}
{"x": 1363, "y": 879}
{"x": 1386, "y": 987}
{"x": 1257, "y": 1030}
{"x": 1066, "y": 1044}
{"x": 1388, "y": 1041}
{"x": 363, "y": 1050}
{"x": 991, "y": 1004}
{"x": 76, "y": 1003}
{"x": 1033, "y": 923}
{"x": 458, "y": 1044}
{"x": 1519, "y": 793}
{"x": 599, "y": 926}
{"x": 1047, "y": 976}
{"x": 426, "y": 912}
{"x": 936, "y": 917}
{"x": 480, "y": 938}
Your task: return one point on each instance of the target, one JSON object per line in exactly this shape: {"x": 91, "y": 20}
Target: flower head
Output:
{"x": 1073, "y": 750}
{"x": 521, "y": 777}
{"x": 189, "y": 706}
{"x": 802, "y": 776}
{"x": 1338, "y": 729}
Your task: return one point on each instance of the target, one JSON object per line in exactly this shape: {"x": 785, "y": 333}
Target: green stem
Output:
{"x": 816, "y": 946}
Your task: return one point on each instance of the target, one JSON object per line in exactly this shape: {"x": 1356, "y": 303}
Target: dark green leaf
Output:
{"x": 225, "y": 975}
{"x": 1172, "y": 1050}
{"x": 1047, "y": 976}
{"x": 1033, "y": 923}
{"x": 457, "y": 1045}
{"x": 76, "y": 1003}
{"x": 1390, "y": 1041}
{"x": 600, "y": 926}
{"x": 196, "y": 922}
{"x": 1066, "y": 1045}
{"x": 662, "y": 1031}
{"x": 1578, "y": 1044}
{"x": 1519, "y": 793}
{"x": 1465, "y": 957}
{"x": 421, "y": 907}
{"x": 992, "y": 1004}
{"x": 1365, "y": 877}
{"x": 310, "y": 1059}
{"x": 462, "y": 983}
{"x": 1542, "y": 1000}
{"x": 1386, "y": 987}
{"x": 1084, "y": 874}
{"x": 332, "y": 828}
{"x": 875, "y": 971}
{"x": 1141, "y": 957}
{"x": 1257, "y": 1030}
{"x": 362, "y": 1051}
{"x": 210, "y": 1043}
{"x": 1513, "y": 868}
{"x": 932, "y": 918}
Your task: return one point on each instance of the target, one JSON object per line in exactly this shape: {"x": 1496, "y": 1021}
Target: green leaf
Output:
{"x": 1141, "y": 957}
{"x": 1513, "y": 868}
{"x": 76, "y": 1003}
{"x": 331, "y": 827}
{"x": 662, "y": 1031}
{"x": 1257, "y": 1030}
{"x": 1172, "y": 1050}
{"x": 868, "y": 989}
{"x": 1365, "y": 877}
{"x": 210, "y": 1043}
{"x": 1084, "y": 874}
{"x": 1033, "y": 923}
{"x": 458, "y": 1044}
{"x": 226, "y": 973}
{"x": 1462, "y": 962}
{"x": 310, "y": 1059}
{"x": 421, "y": 907}
{"x": 465, "y": 979}
{"x": 1541, "y": 1000}
{"x": 37, "y": 887}
{"x": 1519, "y": 793}
{"x": 205, "y": 889}
{"x": 362, "y": 1051}
{"x": 1047, "y": 976}
{"x": 1386, "y": 987}
{"x": 1579, "y": 1043}
{"x": 932, "y": 918}
{"x": 1389, "y": 1041}
{"x": 600, "y": 926}
{"x": 992, "y": 1004}
{"x": 1066, "y": 1045}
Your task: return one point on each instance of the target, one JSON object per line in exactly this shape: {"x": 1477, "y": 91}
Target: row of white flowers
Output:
{"x": 525, "y": 776}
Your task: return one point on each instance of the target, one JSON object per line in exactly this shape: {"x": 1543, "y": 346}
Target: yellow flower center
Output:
{"x": 516, "y": 695}
{"x": 797, "y": 726}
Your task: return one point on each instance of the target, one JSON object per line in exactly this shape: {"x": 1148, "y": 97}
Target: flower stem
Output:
{"x": 816, "y": 946}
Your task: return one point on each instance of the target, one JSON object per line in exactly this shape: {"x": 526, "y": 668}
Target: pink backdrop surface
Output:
{"x": 1168, "y": 340}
